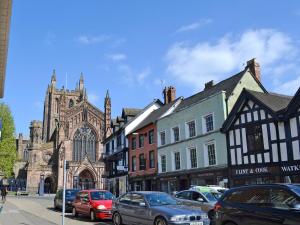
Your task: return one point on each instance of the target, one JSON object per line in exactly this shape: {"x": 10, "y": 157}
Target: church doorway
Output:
{"x": 48, "y": 186}
{"x": 86, "y": 180}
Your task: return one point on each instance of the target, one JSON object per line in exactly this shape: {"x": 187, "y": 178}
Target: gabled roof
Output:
{"x": 226, "y": 85}
{"x": 273, "y": 103}
{"x": 156, "y": 114}
{"x": 130, "y": 112}
{"x": 294, "y": 104}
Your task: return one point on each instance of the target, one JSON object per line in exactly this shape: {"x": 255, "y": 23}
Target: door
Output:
{"x": 77, "y": 202}
{"x": 123, "y": 206}
{"x": 140, "y": 210}
{"x": 199, "y": 201}
{"x": 85, "y": 203}
{"x": 251, "y": 206}
{"x": 184, "y": 197}
{"x": 285, "y": 206}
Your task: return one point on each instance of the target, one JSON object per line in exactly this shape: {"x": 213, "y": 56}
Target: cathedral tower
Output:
{"x": 107, "y": 115}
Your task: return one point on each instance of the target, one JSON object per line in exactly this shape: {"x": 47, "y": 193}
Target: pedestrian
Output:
{"x": 3, "y": 193}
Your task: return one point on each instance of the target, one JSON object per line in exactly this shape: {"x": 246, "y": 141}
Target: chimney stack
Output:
{"x": 209, "y": 85}
{"x": 254, "y": 67}
{"x": 169, "y": 94}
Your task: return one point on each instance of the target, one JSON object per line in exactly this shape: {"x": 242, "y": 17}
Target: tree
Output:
{"x": 8, "y": 152}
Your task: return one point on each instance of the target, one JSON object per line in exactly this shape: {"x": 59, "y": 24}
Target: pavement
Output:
{"x": 34, "y": 210}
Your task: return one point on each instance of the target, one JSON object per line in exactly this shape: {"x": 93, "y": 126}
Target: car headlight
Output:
{"x": 179, "y": 218}
{"x": 204, "y": 216}
{"x": 101, "y": 207}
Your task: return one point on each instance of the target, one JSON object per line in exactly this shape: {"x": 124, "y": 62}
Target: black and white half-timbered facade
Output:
{"x": 263, "y": 139}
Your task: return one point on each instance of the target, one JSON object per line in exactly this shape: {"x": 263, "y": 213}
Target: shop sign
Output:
{"x": 291, "y": 168}
{"x": 249, "y": 171}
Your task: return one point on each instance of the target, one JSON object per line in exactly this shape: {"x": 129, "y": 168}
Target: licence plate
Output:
{"x": 196, "y": 223}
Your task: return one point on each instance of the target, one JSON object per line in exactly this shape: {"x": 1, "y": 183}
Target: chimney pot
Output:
{"x": 169, "y": 94}
{"x": 209, "y": 85}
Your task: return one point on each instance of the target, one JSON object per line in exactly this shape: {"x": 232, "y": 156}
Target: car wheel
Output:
{"x": 211, "y": 214}
{"x": 160, "y": 221}
{"x": 117, "y": 219}
{"x": 92, "y": 215}
{"x": 74, "y": 212}
{"x": 55, "y": 205}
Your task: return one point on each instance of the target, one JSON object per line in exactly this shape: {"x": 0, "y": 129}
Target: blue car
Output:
{"x": 154, "y": 208}
{"x": 70, "y": 196}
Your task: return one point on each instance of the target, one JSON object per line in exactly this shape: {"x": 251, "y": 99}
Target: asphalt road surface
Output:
{"x": 28, "y": 210}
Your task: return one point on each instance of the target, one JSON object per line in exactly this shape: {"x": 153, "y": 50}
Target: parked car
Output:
{"x": 95, "y": 203}
{"x": 155, "y": 208}
{"x": 70, "y": 196}
{"x": 271, "y": 204}
{"x": 203, "y": 198}
{"x": 218, "y": 188}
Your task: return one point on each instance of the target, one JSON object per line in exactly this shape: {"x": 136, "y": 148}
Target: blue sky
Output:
{"x": 134, "y": 48}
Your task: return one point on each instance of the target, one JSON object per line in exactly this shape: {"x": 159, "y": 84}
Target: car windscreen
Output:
{"x": 101, "y": 195}
{"x": 212, "y": 197}
{"x": 71, "y": 193}
{"x": 158, "y": 199}
{"x": 297, "y": 189}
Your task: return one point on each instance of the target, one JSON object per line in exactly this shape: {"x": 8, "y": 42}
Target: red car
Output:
{"x": 95, "y": 203}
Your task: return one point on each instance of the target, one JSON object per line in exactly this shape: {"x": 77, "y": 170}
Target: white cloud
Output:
{"x": 132, "y": 77}
{"x": 87, "y": 40}
{"x": 117, "y": 57}
{"x": 289, "y": 87}
{"x": 194, "y": 26}
{"x": 93, "y": 98}
{"x": 196, "y": 64}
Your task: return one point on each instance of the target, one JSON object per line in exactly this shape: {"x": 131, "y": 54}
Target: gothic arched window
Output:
{"x": 71, "y": 103}
{"x": 84, "y": 143}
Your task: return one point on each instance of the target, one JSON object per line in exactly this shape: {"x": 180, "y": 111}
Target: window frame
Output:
{"x": 175, "y": 161}
{"x": 190, "y": 157}
{"x": 251, "y": 133}
{"x": 162, "y": 144}
{"x": 143, "y": 159}
{"x": 188, "y": 132}
{"x": 165, "y": 163}
{"x": 206, "y": 153}
{"x": 153, "y": 139}
{"x": 133, "y": 163}
{"x": 204, "y": 124}
{"x": 150, "y": 160}
{"x": 173, "y": 134}
{"x": 141, "y": 136}
{"x": 133, "y": 143}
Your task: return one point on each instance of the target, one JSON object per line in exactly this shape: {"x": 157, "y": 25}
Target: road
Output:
{"x": 28, "y": 210}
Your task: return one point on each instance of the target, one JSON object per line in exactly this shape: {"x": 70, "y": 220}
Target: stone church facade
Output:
{"x": 72, "y": 129}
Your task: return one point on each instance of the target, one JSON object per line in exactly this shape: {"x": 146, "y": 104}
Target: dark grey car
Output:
{"x": 158, "y": 208}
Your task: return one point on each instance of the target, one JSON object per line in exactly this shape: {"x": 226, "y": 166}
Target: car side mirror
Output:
{"x": 200, "y": 199}
{"x": 296, "y": 206}
{"x": 142, "y": 204}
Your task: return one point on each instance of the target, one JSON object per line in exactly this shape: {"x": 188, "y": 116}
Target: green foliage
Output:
{"x": 8, "y": 153}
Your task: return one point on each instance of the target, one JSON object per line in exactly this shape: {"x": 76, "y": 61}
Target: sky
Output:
{"x": 134, "y": 48}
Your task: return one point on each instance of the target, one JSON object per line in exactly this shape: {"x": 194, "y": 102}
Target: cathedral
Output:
{"x": 72, "y": 129}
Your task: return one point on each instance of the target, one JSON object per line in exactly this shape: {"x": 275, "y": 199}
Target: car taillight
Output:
{"x": 217, "y": 207}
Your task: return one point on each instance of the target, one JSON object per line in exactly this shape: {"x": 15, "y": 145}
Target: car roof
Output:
{"x": 147, "y": 192}
{"x": 294, "y": 185}
{"x": 93, "y": 190}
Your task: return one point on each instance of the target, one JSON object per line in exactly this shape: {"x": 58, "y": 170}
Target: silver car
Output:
{"x": 154, "y": 208}
{"x": 196, "y": 199}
